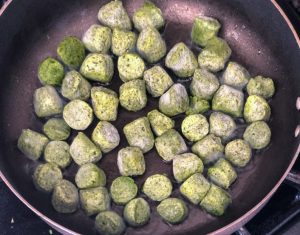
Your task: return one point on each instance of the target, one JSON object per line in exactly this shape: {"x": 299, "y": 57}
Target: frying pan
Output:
{"x": 262, "y": 40}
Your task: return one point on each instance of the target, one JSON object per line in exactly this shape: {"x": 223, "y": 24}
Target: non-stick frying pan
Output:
{"x": 261, "y": 39}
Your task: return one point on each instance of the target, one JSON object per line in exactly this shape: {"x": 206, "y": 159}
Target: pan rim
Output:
{"x": 229, "y": 228}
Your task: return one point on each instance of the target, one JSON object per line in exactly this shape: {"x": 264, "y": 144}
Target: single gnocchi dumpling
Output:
{"x": 94, "y": 200}
{"x": 175, "y": 101}
{"x": 71, "y": 51}
{"x": 238, "y": 152}
{"x": 98, "y": 67}
{"x": 222, "y": 125}
{"x": 78, "y": 114}
{"x": 114, "y": 15}
{"x": 204, "y": 84}
{"x": 123, "y": 41}
{"x": 47, "y": 102}
{"x": 197, "y": 106}
{"x": 138, "y": 134}
{"x": 160, "y": 123}
{"x": 56, "y": 129}
{"x": 32, "y": 144}
{"x": 235, "y": 75}
{"x": 261, "y": 86}
{"x": 74, "y": 86}
{"x": 97, "y": 39}
{"x": 170, "y": 144}
{"x": 130, "y": 66}
{"x": 258, "y": 135}
{"x": 228, "y": 100}
{"x": 181, "y": 60}
{"x": 148, "y": 15}
{"x": 195, "y": 127}
{"x": 195, "y": 188}
{"x": 209, "y": 149}
{"x": 215, "y": 55}
{"x": 150, "y": 45}
{"x": 216, "y": 201}
{"x": 65, "y": 198}
{"x": 51, "y": 72}
{"x": 109, "y": 223}
{"x": 90, "y": 176}
{"x": 157, "y": 81}
{"x": 133, "y": 95}
{"x": 157, "y": 187}
{"x": 204, "y": 29}
{"x": 123, "y": 189}
{"x": 106, "y": 136}
{"x": 137, "y": 212}
{"x": 46, "y": 176}
{"x": 222, "y": 173}
{"x": 131, "y": 161}
{"x": 105, "y": 103}
{"x": 58, "y": 152}
{"x": 83, "y": 150}
{"x": 185, "y": 165}
{"x": 256, "y": 109}
{"x": 173, "y": 210}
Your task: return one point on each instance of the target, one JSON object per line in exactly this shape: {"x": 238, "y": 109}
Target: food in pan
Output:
{"x": 71, "y": 51}
{"x": 150, "y": 45}
{"x": 130, "y": 66}
{"x": 204, "y": 84}
{"x": 90, "y": 176}
{"x": 148, "y": 15}
{"x": 123, "y": 189}
{"x": 209, "y": 149}
{"x": 194, "y": 127}
{"x": 172, "y": 210}
{"x": 106, "y": 136}
{"x": 94, "y": 200}
{"x": 75, "y": 87}
{"x": 175, "y": 101}
{"x": 160, "y": 123}
{"x": 157, "y": 187}
{"x": 133, "y": 95}
{"x": 57, "y": 129}
{"x": 170, "y": 144}
{"x": 65, "y": 198}
{"x": 32, "y": 144}
{"x": 131, "y": 161}
{"x": 137, "y": 212}
{"x": 51, "y": 72}
{"x": 83, "y": 150}
{"x": 185, "y": 165}
{"x": 209, "y": 107}
{"x": 78, "y": 114}
{"x": 195, "y": 188}
{"x": 122, "y": 41}
{"x": 98, "y": 67}
{"x": 105, "y": 103}
{"x": 97, "y": 39}
{"x": 46, "y": 176}
{"x": 109, "y": 223}
{"x": 138, "y": 133}
{"x": 204, "y": 29}
{"x": 197, "y": 105}
{"x": 58, "y": 152}
{"x": 181, "y": 60}
{"x": 47, "y": 102}
{"x": 158, "y": 81}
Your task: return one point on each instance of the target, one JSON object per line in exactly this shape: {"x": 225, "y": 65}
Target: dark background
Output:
{"x": 16, "y": 218}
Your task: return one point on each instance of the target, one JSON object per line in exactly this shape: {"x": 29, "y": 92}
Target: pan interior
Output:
{"x": 31, "y": 31}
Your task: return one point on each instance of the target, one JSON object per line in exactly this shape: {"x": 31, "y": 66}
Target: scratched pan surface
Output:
{"x": 261, "y": 40}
